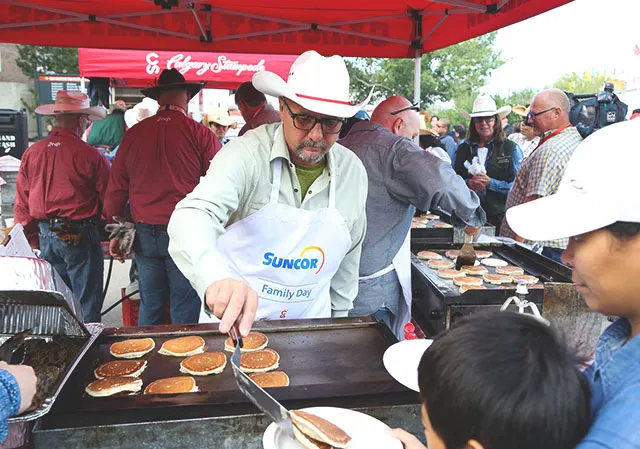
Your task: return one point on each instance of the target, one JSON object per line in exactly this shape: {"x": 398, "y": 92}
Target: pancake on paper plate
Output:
{"x": 183, "y": 346}
{"x": 172, "y": 385}
{"x": 120, "y": 368}
{"x": 272, "y": 379}
{"x": 204, "y": 364}
{"x": 259, "y": 361}
{"x": 133, "y": 348}
{"x": 314, "y": 432}
{"x": 113, "y": 385}
{"x": 252, "y": 342}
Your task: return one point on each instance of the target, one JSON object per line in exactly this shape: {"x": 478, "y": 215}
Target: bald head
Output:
{"x": 550, "y": 110}
{"x": 555, "y": 98}
{"x": 405, "y": 123}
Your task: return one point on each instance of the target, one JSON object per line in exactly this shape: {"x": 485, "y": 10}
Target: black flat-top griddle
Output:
{"x": 437, "y": 302}
{"x": 328, "y": 361}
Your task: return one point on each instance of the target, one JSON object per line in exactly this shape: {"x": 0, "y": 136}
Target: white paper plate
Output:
{"x": 365, "y": 431}
{"x": 402, "y": 359}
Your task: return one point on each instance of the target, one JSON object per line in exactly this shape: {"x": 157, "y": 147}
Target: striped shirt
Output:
{"x": 540, "y": 175}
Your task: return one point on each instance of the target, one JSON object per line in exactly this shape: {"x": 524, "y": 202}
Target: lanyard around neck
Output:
{"x": 173, "y": 107}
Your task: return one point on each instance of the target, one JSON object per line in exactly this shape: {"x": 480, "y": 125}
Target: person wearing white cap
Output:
{"x": 497, "y": 158}
{"x": 60, "y": 192}
{"x": 542, "y": 171}
{"x": 274, "y": 230}
{"x": 597, "y": 207}
{"x": 219, "y": 122}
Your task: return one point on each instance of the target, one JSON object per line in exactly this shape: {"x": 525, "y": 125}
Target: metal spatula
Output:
{"x": 263, "y": 400}
{"x": 467, "y": 255}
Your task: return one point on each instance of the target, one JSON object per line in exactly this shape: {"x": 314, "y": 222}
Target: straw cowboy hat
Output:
{"x": 485, "y": 106}
{"x": 520, "y": 110}
{"x": 423, "y": 127}
{"x": 145, "y": 109}
{"x": 118, "y": 105}
{"x": 317, "y": 83}
{"x": 171, "y": 79}
{"x": 71, "y": 102}
{"x": 221, "y": 117}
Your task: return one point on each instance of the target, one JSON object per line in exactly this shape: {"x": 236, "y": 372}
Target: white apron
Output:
{"x": 287, "y": 255}
{"x": 401, "y": 263}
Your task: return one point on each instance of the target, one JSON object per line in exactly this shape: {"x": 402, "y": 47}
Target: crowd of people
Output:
{"x": 297, "y": 219}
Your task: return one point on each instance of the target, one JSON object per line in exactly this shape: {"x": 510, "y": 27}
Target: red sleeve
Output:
{"x": 102, "y": 178}
{"x": 211, "y": 146}
{"x": 21, "y": 205}
{"x": 117, "y": 193}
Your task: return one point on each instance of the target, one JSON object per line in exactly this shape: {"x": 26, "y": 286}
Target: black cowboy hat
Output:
{"x": 171, "y": 79}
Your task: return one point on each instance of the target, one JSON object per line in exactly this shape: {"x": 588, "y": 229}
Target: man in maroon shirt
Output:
{"x": 160, "y": 160}
{"x": 254, "y": 107}
{"x": 59, "y": 193}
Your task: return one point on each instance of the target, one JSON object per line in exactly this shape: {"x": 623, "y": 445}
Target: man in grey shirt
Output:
{"x": 402, "y": 177}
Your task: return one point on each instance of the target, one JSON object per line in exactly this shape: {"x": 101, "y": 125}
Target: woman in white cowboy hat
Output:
{"x": 498, "y": 159}
{"x": 219, "y": 122}
{"x": 59, "y": 196}
{"x": 526, "y": 136}
{"x": 598, "y": 207}
{"x": 274, "y": 230}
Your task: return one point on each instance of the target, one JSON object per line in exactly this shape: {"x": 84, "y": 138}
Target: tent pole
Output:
{"x": 416, "y": 80}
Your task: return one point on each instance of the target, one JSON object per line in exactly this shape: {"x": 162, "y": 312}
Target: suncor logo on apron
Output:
{"x": 299, "y": 263}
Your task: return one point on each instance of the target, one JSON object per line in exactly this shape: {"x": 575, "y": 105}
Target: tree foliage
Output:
{"x": 38, "y": 59}
{"x": 585, "y": 83}
{"x": 447, "y": 74}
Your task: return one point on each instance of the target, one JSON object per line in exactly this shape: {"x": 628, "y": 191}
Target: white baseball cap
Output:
{"x": 599, "y": 188}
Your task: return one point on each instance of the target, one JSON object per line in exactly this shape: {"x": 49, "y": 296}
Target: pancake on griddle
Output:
{"x": 121, "y": 368}
{"x": 497, "y": 279}
{"x": 133, "y": 348}
{"x": 442, "y": 225}
{"x": 509, "y": 270}
{"x": 171, "y": 385}
{"x": 204, "y": 364}
{"x": 465, "y": 288}
{"x": 449, "y": 273}
{"x": 259, "y": 361}
{"x": 316, "y": 432}
{"x": 527, "y": 279}
{"x": 480, "y": 254}
{"x": 494, "y": 262}
{"x": 440, "y": 264}
{"x": 183, "y": 346}
{"x": 252, "y": 342}
{"x": 113, "y": 385}
{"x": 272, "y": 379}
{"x": 428, "y": 255}
{"x": 466, "y": 281}
{"x": 474, "y": 270}
{"x": 452, "y": 254}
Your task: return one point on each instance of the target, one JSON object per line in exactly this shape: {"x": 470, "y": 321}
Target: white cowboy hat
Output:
{"x": 219, "y": 116}
{"x": 317, "y": 83}
{"x": 145, "y": 109}
{"x": 485, "y": 106}
{"x": 71, "y": 102}
{"x": 118, "y": 105}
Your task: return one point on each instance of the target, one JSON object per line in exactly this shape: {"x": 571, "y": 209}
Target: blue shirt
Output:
{"x": 450, "y": 146}
{"x": 615, "y": 385}
{"x": 495, "y": 184}
{"x": 9, "y": 401}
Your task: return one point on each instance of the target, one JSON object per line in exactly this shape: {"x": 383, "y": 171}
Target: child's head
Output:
{"x": 502, "y": 380}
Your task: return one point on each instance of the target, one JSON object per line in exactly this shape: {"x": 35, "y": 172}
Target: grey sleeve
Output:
{"x": 425, "y": 181}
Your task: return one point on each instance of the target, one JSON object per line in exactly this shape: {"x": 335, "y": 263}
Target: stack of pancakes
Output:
{"x": 314, "y": 432}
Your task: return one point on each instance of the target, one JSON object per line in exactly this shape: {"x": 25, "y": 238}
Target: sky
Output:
{"x": 542, "y": 49}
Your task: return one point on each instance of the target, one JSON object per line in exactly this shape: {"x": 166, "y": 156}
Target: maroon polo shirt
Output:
{"x": 60, "y": 176}
{"x": 159, "y": 161}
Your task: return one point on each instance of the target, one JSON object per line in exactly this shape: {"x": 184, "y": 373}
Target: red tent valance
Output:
{"x": 141, "y": 68}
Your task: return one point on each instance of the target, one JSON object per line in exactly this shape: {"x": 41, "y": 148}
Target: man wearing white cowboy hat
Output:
{"x": 219, "y": 122}
{"x": 402, "y": 177}
{"x": 487, "y": 160}
{"x": 107, "y": 134}
{"x": 542, "y": 171}
{"x": 159, "y": 161}
{"x": 59, "y": 196}
{"x": 274, "y": 230}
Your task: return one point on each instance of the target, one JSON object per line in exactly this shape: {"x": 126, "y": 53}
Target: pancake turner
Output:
{"x": 467, "y": 255}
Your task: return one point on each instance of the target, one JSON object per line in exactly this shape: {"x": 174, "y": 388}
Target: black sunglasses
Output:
{"x": 307, "y": 123}
{"x": 411, "y": 107}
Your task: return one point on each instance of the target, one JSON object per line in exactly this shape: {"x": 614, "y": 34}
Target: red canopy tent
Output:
{"x": 375, "y": 28}
{"x": 139, "y": 68}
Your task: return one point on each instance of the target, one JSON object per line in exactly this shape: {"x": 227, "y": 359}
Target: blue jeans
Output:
{"x": 80, "y": 267}
{"x": 552, "y": 253}
{"x": 160, "y": 280}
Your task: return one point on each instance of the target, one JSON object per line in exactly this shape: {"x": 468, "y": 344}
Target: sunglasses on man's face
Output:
{"x": 411, "y": 107}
